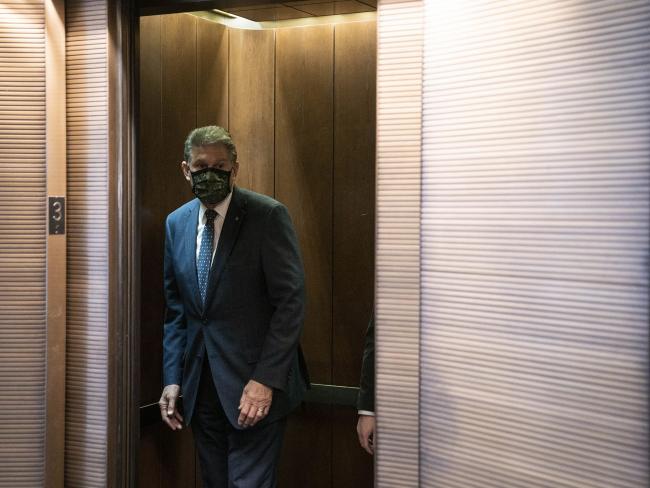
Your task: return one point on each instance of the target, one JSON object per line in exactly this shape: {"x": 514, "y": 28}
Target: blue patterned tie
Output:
{"x": 205, "y": 253}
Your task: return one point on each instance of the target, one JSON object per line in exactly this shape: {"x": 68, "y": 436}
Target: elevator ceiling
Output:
{"x": 301, "y": 9}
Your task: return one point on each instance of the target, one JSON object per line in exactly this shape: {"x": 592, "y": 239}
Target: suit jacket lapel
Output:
{"x": 191, "y": 229}
{"x": 230, "y": 230}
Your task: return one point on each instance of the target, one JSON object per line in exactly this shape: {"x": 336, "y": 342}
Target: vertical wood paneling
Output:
{"x": 162, "y": 185}
{"x": 149, "y": 472}
{"x": 179, "y": 466}
{"x": 151, "y": 170}
{"x": 164, "y": 460}
{"x": 179, "y": 110}
{"x": 167, "y": 68}
{"x": 87, "y": 134}
{"x": 172, "y": 99}
{"x": 303, "y": 172}
{"x": 399, "y": 114}
{"x": 355, "y": 73}
{"x": 536, "y": 190}
{"x": 303, "y": 179}
{"x": 353, "y": 238}
{"x": 22, "y": 243}
{"x": 352, "y": 467}
{"x": 307, "y": 450}
{"x": 168, "y": 109}
{"x": 211, "y": 73}
{"x": 252, "y": 86}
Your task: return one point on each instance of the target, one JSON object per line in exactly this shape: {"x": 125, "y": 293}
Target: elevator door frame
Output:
{"x": 125, "y": 415}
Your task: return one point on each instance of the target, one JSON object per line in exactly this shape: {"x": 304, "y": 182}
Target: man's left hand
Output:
{"x": 254, "y": 404}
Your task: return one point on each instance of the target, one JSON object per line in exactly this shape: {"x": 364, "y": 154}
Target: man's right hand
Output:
{"x": 366, "y": 432}
{"x": 168, "y": 411}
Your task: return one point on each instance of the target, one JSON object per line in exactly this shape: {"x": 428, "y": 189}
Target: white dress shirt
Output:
{"x": 221, "y": 209}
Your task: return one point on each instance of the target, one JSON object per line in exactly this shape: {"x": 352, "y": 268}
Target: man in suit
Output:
{"x": 366, "y": 424}
{"x": 234, "y": 290}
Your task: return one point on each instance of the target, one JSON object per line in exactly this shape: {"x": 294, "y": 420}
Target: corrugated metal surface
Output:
{"x": 536, "y": 148}
{"x": 22, "y": 243}
{"x": 86, "y": 404}
{"x": 399, "y": 89}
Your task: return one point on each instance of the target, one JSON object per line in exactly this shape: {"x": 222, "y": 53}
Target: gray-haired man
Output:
{"x": 234, "y": 290}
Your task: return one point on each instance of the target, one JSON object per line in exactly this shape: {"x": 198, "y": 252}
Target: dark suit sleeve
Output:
{"x": 366, "y": 398}
{"x": 175, "y": 326}
{"x": 285, "y": 283}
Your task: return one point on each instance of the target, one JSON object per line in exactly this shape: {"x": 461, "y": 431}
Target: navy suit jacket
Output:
{"x": 250, "y": 325}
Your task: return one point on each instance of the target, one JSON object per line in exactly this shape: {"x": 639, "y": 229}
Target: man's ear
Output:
{"x": 185, "y": 168}
{"x": 235, "y": 169}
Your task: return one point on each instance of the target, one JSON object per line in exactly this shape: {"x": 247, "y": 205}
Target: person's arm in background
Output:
{"x": 366, "y": 399}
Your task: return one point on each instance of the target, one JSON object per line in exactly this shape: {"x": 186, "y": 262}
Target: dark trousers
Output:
{"x": 232, "y": 458}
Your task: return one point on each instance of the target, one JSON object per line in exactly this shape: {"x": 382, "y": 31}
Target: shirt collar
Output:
{"x": 221, "y": 208}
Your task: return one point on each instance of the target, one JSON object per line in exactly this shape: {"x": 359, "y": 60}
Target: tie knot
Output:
{"x": 210, "y": 215}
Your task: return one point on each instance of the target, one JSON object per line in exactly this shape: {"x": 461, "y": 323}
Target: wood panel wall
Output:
{"x": 252, "y": 111}
{"x": 353, "y": 232}
{"x": 304, "y": 130}
{"x": 300, "y": 104}
{"x": 353, "y": 210}
{"x": 212, "y": 88}
{"x": 168, "y": 111}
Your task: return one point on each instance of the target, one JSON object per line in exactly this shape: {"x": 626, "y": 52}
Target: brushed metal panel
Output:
{"x": 535, "y": 197}
{"x": 399, "y": 91}
{"x": 87, "y": 267}
{"x": 22, "y": 243}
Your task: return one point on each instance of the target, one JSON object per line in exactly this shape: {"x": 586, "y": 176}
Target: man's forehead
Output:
{"x": 210, "y": 150}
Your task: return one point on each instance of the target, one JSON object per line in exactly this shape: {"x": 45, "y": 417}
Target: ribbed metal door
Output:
{"x": 87, "y": 331}
{"x": 399, "y": 115}
{"x": 22, "y": 243}
{"x": 536, "y": 155}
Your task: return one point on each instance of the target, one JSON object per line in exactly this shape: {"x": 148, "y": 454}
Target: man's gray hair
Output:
{"x": 208, "y": 135}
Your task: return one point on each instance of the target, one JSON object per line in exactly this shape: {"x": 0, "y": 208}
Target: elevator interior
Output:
{"x": 298, "y": 96}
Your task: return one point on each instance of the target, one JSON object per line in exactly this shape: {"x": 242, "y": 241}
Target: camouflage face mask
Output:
{"x": 211, "y": 185}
